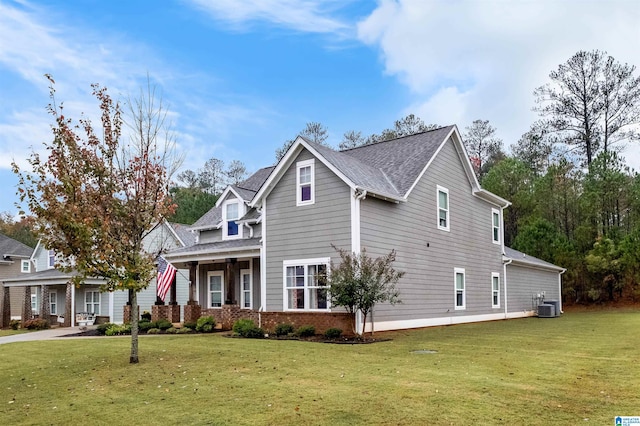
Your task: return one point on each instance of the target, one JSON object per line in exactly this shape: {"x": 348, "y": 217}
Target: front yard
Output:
{"x": 578, "y": 369}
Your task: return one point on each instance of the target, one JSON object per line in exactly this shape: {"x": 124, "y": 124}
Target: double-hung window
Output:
{"x": 231, "y": 215}
{"x": 215, "y": 282}
{"x": 92, "y": 302}
{"x": 305, "y": 284}
{"x": 460, "y": 295}
{"x": 52, "y": 259}
{"x": 495, "y": 222}
{"x": 34, "y": 303}
{"x": 245, "y": 283}
{"x": 53, "y": 302}
{"x": 305, "y": 186}
{"x": 25, "y": 266}
{"x": 443, "y": 208}
{"x": 495, "y": 290}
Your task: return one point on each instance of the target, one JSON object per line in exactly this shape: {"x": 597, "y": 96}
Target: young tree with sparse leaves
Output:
{"x": 359, "y": 282}
{"x": 481, "y": 144}
{"x": 314, "y": 131}
{"x": 96, "y": 197}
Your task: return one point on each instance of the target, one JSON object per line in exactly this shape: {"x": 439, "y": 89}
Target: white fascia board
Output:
{"x": 492, "y": 198}
{"x": 33, "y": 255}
{"x": 224, "y": 195}
{"x": 533, "y": 265}
{"x": 173, "y": 232}
{"x": 250, "y": 251}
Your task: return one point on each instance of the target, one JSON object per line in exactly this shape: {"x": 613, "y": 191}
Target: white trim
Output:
{"x": 198, "y": 283}
{"x": 263, "y": 258}
{"x": 451, "y": 320}
{"x": 225, "y": 193}
{"x": 312, "y": 184}
{"x": 49, "y": 256}
{"x": 73, "y": 305}
{"x": 34, "y": 302}
{"x": 206, "y": 255}
{"x": 216, "y": 274}
{"x": 560, "y": 289}
{"x": 457, "y": 271}
{"x": 494, "y": 213}
{"x": 355, "y": 220}
{"x": 305, "y": 263}
{"x": 112, "y": 307}
{"x": 444, "y": 190}
{"x": 25, "y": 262}
{"x": 242, "y": 290}
{"x": 495, "y": 275}
{"x": 225, "y": 225}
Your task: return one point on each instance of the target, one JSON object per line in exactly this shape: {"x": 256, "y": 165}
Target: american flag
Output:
{"x": 166, "y": 273}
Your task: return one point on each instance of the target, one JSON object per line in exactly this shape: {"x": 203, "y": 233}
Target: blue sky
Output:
{"x": 241, "y": 77}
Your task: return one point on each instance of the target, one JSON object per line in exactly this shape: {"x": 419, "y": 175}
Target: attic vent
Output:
{"x": 546, "y": 310}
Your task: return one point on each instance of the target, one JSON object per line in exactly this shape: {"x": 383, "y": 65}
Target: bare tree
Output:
{"x": 481, "y": 144}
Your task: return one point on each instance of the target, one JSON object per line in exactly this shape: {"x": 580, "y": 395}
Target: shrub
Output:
{"x": 184, "y": 330}
{"x": 333, "y": 333}
{"x": 283, "y": 329}
{"x": 205, "y": 324}
{"x": 118, "y": 330}
{"x": 36, "y": 324}
{"x": 14, "y": 324}
{"x": 163, "y": 324}
{"x": 190, "y": 324}
{"x": 146, "y": 316}
{"x": 306, "y": 331}
{"x": 146, "y": 325}
{"x": 247, "y": 328}
{"x": 171, "y": 330}
{"x": 102, "y": 328}
{"x": 154, "y": 331}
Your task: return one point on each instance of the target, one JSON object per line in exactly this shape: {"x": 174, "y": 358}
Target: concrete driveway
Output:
{"x": 51, "y": 334}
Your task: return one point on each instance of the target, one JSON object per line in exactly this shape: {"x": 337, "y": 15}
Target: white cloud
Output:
{"x": 309, "y": 16}
{"x": 469, "y": 60}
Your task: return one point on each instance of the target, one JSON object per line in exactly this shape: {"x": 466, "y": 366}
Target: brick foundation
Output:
{"x": 192, "y": 313}
{"x": 322, "y": 321}
{"x": 169, "y": 312}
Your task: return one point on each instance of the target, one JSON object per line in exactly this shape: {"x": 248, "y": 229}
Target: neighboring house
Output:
{"x": 14, "y": 261}
{"x": 87, "y": 299}
{"x": 267, "y": 243}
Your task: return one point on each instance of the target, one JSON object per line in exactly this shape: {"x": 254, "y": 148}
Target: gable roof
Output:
{"x": 245, "y": 190}
{"x": 519, "y": 257}
{"x": 13, "y": 248}
{"x": 184, "y": 234}
{"x": 388, "y": 169}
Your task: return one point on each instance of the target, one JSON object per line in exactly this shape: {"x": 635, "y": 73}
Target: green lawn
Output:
{"x": 579, "y": 369}
{"x": 9, "y": 332}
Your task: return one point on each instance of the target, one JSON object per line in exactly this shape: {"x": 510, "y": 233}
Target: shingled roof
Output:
{"x": 520, "y": 257}
{"x": 11, "y": 248}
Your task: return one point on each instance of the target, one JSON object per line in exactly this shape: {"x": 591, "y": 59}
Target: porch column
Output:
{"x": 6, "y": 307}
{"x": 231, "y": 282}
{"x": 45, "y": 307}
{"x": 26, "y": 305}
{"x": 193, "y": 271}
{"x": 173, "y": 297}
{"x": 68, "y": 312}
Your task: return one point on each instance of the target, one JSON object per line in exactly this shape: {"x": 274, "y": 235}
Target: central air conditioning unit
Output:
{"x": 556, "y": 304}
{"x": 546, "y": 310}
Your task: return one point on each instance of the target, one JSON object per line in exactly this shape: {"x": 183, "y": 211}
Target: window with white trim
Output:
{"x": 443, "y": 208}
{"x": 34, "y": 303}
{"x": 245, "y": 284}
{"x": 231, "y": 212}
{"x": 215, "y": 289}
{"x": 495, "y": 290}
{"x": 52, "y": 259}
{"x": 305, "y": 284}
{"x": 495, "y": 222}
{"x": 53, "y": 302}
{"x": 25, "y": 266}
{"x": 460, "y": 295}
{"x": 305, "y": 182}
{"x": 92, "y": 302}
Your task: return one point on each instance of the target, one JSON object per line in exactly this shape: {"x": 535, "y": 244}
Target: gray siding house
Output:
{"x": 50, "y": 291}
{"x": 263, "y": 246}
{"x": 14, "y": 261}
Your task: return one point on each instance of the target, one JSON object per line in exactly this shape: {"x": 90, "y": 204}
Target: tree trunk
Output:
{"x": 133, "y": 359}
